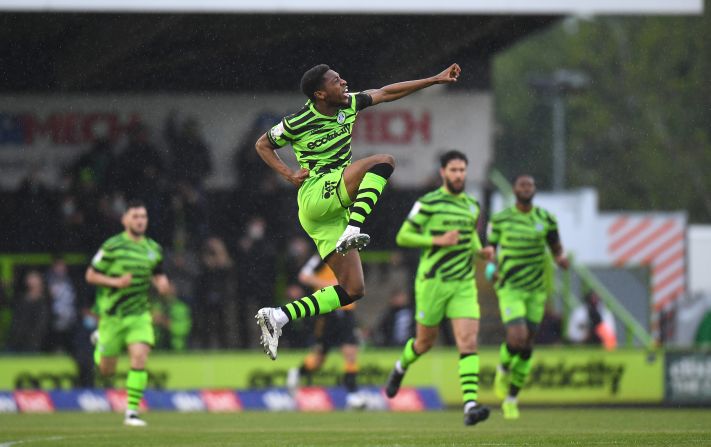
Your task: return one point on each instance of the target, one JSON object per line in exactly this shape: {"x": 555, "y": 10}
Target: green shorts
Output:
{"x": 517, "y": 304}
{"x": 436, "y": 299}
{"x": 115, "y": 333}
{"x": 323, "y": 209}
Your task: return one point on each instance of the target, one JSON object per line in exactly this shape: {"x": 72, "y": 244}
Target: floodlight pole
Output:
{"x": 556, "y": 87}
{"x": 558, "y": 142}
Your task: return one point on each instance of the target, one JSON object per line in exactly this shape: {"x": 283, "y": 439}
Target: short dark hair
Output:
{"x": 312, "y": 80}
{"x": 134, "y": 203}
{"x": 519, "y": 176}
{"x": 452, "y": 155}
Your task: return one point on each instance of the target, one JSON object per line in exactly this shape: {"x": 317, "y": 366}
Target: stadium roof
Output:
{"x": 257, "y": 47}
{"x": 67, "y": 52}
{"x": 645, "y": 7}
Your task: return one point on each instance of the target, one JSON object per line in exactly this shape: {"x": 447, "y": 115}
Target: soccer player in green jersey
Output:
{"x": 443, "y": 224}
{"x": 335, "y": 194}
{"x": 123, "y": 270}
{"x": 521, "y": 233}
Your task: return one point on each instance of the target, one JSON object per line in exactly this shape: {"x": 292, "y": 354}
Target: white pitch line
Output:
{"x": 25, "y": 441}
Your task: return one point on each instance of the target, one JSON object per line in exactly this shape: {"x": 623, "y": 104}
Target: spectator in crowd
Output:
{"x": 396, "y": 326}
{"x": 214, "y": 305}
{"x": 252, "y": 173}
{"x": 66, "y": 330}
{"x": 298, "y": 251}
{"x": 190, "y": 217}
{"x": 96, "y": 164}
{"x": 183, "y": 268}
{"x": 255, "y": 278}
{"x": 190, "y": 160}
{"x": 63, "y": 306}
{"x": 30, "y": 322}
{"x": 139, "y": 164}
{"x": 34, "y": 207}
{"x": 171, "y": 318}
{"x": 551, "y": 328}
{"x": 592, "y": 323}
{"x": 140, "y": 174}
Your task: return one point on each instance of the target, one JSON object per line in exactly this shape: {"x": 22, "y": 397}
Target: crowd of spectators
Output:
{"x": 227, "y": 253}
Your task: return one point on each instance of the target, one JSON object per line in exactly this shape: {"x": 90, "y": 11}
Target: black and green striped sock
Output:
{"x": 320, "y": 302}
{"x": 369, "y": 192}
{"x": 409, "y": 355}
{"x": 136, "y": 382}
{"x": 520, "y": 368}
{"x": 507, "y": 354}
{"x": 469, "y": 376}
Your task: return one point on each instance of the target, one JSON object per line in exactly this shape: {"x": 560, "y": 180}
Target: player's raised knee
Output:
{"x": 389, "y": 159}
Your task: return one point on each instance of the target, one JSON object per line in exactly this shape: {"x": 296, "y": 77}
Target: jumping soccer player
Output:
{"x": 336, "y": 329}
{"x": 330, "y": 183}
{"x": 443, "y": 224}
{"x": 521, "y": 234}
{"x": 122, "y": 271}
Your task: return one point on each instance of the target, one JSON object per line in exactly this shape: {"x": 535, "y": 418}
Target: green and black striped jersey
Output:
{"x": 434, "y": 214}
{"x": 321, "y": 143}
{"x": 522, "y": 239}
{"x": 120, "y": 255}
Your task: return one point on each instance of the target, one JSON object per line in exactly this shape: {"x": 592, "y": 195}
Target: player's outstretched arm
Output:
{"x": 396, "y": 91}
{"x": 268, "y": 153}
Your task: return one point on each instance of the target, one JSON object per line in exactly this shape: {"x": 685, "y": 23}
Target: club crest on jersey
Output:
{"x": 151, "y": 255}
{"x": 341, "y": 118}
{"x": 539, "y": 226}
{"x": 328, "y": 189}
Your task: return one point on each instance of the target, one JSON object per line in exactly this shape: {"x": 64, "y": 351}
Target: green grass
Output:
{"x": 537, "y": 427}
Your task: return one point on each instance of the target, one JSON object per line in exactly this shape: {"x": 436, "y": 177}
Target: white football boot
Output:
{"x": 271, "y": 331}
{"x": 132, "y": 419}
{"x": 351, "y": 238}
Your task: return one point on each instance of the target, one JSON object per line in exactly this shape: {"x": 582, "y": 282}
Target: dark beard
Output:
{"x": 524, "y": 201}
{"x": 452, "y": 189}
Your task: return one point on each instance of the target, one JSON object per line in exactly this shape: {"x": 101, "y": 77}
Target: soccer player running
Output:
{"x": 443, "y": 224}
{"x": 123, "y": 270}
{"x": 336, "y": 329}
{"x": 521, "y": 234}
{"x": 330, "y": 183}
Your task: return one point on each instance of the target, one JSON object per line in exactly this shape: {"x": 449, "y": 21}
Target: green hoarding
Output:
{"x": 564, "y": 375}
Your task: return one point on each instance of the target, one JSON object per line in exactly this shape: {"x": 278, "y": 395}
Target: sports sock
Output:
{"x": 369, "y": 192}
{"x": 136, "y": 382}
{"x": 469, "y": 376}
{"x": 320, "y": 302}
{"x": 409, "y": 355}
{"x": 350, "y": 377}
{"x": 507, "y": 355}
{"x": 97, "y": 355}
{"x": 519, "y": 371}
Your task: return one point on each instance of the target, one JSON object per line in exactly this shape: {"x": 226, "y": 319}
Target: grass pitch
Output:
{"x": 537, "y": 427}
